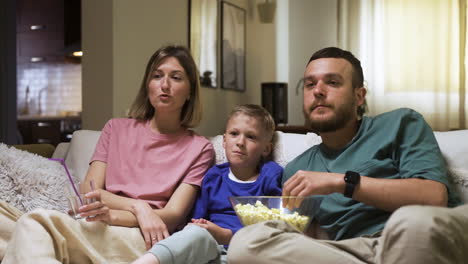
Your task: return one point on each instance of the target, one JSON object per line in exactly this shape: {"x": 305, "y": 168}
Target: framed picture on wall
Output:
{"x": 233, "y": 31}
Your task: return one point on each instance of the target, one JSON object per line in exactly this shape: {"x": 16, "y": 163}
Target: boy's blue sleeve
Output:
{"x": 274, "y": 187}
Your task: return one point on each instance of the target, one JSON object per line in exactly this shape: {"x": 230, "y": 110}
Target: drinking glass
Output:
{"x": 75, "y": 201}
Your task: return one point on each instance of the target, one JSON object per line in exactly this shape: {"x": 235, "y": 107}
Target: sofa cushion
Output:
{"x": 290, "y": 145}
{"x": 61, "y": 150}
{"x": 80, "y": 151}
{"x": 454, "y": 147}
{"x": 217, "y": 142}
{"x": 29, "y": 181}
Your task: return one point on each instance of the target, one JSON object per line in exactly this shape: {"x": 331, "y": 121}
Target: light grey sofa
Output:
{"x": 453, "y": 144}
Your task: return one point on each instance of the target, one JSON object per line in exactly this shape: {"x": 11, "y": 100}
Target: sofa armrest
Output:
{"x": 44, "y": 150}
{"x": 61, "y": 150}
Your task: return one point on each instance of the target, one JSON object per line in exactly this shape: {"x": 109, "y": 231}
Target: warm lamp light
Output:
{"x": 78, "y": 53}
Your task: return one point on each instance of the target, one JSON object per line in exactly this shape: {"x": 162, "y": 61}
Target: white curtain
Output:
{"x": 412, "y": 53}
{"x": 233, "y": 47}
{"x": 203, "y": 39}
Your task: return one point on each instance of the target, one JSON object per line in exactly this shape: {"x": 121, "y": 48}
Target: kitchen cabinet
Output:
{"x": 40, "y": 30}
{"x": 51, "y": 130}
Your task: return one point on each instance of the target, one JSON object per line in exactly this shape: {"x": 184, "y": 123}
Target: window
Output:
{"x": 412, "y": 54}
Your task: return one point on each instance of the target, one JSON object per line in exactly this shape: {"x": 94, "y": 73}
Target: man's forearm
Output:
{"x": 391, "y": 194}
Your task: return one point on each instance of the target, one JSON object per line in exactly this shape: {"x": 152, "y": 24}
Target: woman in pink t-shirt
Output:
{"x": 146, "y": 169}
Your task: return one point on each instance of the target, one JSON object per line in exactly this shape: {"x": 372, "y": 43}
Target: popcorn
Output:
{"x": 251, "y": 214}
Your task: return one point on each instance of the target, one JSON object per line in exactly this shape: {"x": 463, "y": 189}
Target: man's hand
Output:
{"x": 306, "y": 183}
{"x": 221, "y": 235}
{"x": 151, "y": 225}
{"x": 385, "y": 194}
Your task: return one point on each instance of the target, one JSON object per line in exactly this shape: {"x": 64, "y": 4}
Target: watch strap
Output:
{"x": 349, "y": 189}
{"x": 352, "y": 179}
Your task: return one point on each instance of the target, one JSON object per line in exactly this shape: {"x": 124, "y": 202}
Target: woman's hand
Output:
{"x": 151, "y": 225}
{"x": 95, "y": 210}
{"x": 221, "y": 235}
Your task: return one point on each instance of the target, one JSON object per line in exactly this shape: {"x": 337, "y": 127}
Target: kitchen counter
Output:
{"x": 46, "y": 117}
{"x": 47, "y": 129}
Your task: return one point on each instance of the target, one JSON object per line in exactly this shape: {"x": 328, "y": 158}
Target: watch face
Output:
{"x": 352, "y": 177}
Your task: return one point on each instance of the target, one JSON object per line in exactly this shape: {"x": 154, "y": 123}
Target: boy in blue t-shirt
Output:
{"x": 248, "y": 143}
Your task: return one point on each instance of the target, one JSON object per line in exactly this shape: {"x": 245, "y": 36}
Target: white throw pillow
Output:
{"x": 217, "y": 142}
{"x": 290, "y": 145}
{"x": 453, "y": 145}
{"x": 29, "y": 181}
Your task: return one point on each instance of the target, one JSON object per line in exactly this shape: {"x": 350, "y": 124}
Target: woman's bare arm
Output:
{"x": 178, "y": 206}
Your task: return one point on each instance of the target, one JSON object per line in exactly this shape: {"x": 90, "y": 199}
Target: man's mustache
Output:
{"x": 312, "y": 107}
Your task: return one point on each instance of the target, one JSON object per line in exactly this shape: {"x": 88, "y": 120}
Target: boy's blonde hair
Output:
{"x": 259, "y": 113}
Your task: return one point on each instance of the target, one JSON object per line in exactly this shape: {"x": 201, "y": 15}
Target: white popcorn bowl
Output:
{"x": 255, "y": 209}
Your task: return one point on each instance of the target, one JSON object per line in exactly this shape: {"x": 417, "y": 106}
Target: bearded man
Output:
{"x": 385, "y": 193}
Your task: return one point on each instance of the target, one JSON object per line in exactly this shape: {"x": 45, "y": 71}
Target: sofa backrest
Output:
{"x": 287, "y": 147}
{"x": 453, "y": 144}
{"x": 80, "y": 150}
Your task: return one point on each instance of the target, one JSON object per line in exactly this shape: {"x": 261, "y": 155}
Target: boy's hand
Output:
{"x": 201, "y": 221}
{"x": 221, "y": 235}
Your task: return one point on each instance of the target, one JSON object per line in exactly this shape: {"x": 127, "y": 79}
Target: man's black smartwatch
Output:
{"x": 351, "y": 179}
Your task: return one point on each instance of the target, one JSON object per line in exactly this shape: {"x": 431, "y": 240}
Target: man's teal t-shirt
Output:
{"x": 394, "y": 145}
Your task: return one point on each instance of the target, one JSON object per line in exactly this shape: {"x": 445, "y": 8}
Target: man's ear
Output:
{"x": 360, "y": 95}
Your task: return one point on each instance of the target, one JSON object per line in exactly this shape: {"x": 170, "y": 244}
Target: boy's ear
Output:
{"x": 267, "y": 150}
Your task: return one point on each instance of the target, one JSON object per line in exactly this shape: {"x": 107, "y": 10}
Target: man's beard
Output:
{"x": 342, "y": 115}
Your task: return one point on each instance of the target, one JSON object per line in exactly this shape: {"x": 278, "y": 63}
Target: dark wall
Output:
{"x": 8, "y": 131}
